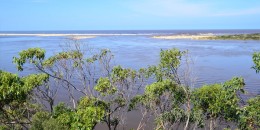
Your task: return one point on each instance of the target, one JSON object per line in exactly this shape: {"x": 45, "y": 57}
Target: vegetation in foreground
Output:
{"x": 109, "y": 92}
{"x": 255, "y": 36}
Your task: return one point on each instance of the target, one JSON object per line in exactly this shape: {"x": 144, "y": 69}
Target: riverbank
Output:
{"x": 255, "y": 36}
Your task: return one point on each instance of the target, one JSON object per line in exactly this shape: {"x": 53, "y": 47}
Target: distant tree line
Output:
{"x": 254, "y": 36}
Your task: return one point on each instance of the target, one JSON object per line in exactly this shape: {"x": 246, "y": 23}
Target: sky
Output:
{"x": 33, "y": 15}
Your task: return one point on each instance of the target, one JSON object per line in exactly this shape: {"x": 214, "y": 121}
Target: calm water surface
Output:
{"x": 214, "y": 60}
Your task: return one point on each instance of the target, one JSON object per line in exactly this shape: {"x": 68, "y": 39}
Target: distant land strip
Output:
{"x": 208, "y": 36}
{"x": 71, "y": 36}
{"x": 255, "y": 36}
{"x": 48, "y": 35}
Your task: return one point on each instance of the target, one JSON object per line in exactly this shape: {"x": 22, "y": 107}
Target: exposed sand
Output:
{"x": 85, "y": 36}
{"x": 81, "y": 37}
{"x": 49, "y": 35}
{"x": 186, "y": 36}
{"x": 72, "y": 36}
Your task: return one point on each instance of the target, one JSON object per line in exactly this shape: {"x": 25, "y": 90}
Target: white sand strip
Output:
{"x": 195, "y": 37}
{"x": 49, "y": 35}
{"x": 81, "y": 37}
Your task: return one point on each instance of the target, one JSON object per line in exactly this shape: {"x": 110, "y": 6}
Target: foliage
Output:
{"x": 32, "y": 55}
{"x": 105, "y": 87}
{"x": 256, "y": 60}
{"x": 109, "y": 93}
{"x": 117, "y": 90}
{"x": 44, "y": 120}
{"x": 250, "y": 115}
{"x": 14, "y": 88}
{"x": 219, "y": 100}
{"x": 170, "y": 61}
{"x": 14, "y": 91}
{"x": 167, "y": 98}
{"x": 71, "y": 69}
{"x": 89, "y": 112}
{"x": 38, "y": 119}
{"x": 255, "y": 36}
{"x": 53, "y": 124}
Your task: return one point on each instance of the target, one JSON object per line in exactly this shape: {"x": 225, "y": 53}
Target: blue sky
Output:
{"x": 16, "y": 15}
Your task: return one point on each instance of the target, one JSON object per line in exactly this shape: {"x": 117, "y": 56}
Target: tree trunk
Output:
{"x": 211, "y": 124}
{"x": 187, "y": 123}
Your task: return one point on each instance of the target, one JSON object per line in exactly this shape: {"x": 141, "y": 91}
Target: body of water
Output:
{"x": 214, "y": 60}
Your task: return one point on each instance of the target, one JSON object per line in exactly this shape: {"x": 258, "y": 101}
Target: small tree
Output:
{"x": 219, "y": 101}
{"x": 250, "y": 115}
{"x": 256, "y": 60}
{"x": 72, "y": 69}
{"x": 90, "y": 75}
{"x": 169, "y": 98}
{"x": 15, "y": 111}
{"x": 117, "y": 90}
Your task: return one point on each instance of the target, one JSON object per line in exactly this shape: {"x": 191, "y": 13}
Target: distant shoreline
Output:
{"x": 199, "y": 36}
{"x": 255, "y": 36}
{"x": 72, "y": 34}
{"x": 185, "y": 36}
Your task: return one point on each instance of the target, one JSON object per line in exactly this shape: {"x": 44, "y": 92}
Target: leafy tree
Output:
{"x": 168, "y": 98}
{"x": 89, "y": 112}
{"x": 38, "y": 119}
{"x": 57, "y": 120}
{"x": 110, "y": 92}
{"x": 72, "y": 69}
{"x": 117, "y": 90}
{"x": 250, "y": 115}
{"x": 256, "y": 60}
{"x": 15, "y": 111}
{"x": 54, "y": 124}
{"x": 219, "y": 101}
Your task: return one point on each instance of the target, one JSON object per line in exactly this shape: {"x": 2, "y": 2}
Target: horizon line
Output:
{"x": 126, "y": 30}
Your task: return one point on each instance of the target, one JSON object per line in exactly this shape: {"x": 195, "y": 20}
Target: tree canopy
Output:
{"x": 109, "y": 92}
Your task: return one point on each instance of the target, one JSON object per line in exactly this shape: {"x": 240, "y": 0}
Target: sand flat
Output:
{"x": 81, "y": 37}
{"x": 49, "y": 35}
{"x": 186, "y": 36}
{"x": 45, "y": 35}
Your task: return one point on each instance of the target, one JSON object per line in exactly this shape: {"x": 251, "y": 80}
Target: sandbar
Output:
{"x": 186, "y": 36}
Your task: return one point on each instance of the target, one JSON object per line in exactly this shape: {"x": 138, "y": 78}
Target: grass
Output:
{"x": 255, "y": 36}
